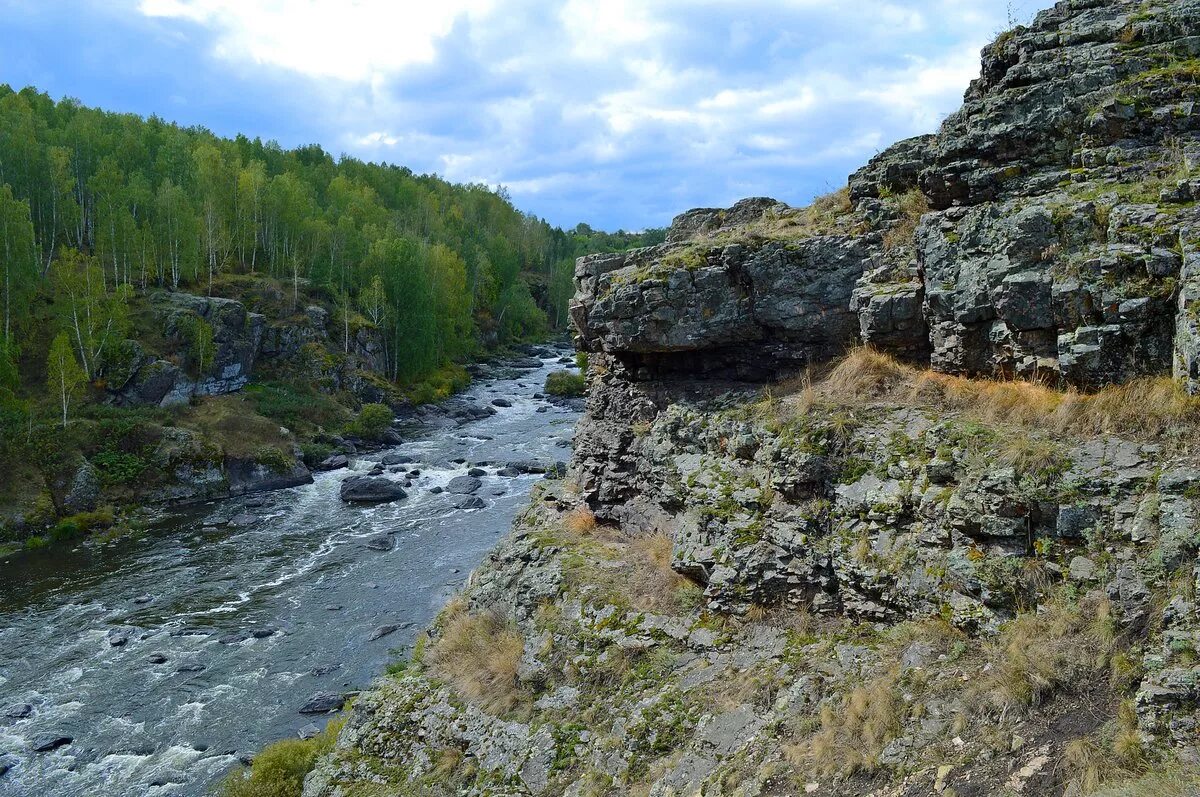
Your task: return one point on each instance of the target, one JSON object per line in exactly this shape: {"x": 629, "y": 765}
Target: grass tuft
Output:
{"x": 478, "y": 654}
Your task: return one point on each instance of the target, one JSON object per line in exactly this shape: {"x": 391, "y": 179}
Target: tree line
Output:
{"x": 97, "y": 207}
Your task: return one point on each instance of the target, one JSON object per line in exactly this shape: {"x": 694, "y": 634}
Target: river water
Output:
{"x": 175, "y": 707}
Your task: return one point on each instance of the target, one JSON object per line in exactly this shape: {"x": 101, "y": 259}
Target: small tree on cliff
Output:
{"x": 63, "y": 374}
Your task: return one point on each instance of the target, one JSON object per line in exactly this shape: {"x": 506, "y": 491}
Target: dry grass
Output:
{"x": 912, "y": 206}
{"x": 1061, "y": 646}
{"x": 232, "y": 423}
{"x": 853, "y": 734}
{"x": 478, "y": 654}
{"x": 825, "y": 215}
{"x": 1164, "y": 782}
{"x": 653, "y": 586}
{"x": 580, "y": 521}
{"x": 1151, "y": 406}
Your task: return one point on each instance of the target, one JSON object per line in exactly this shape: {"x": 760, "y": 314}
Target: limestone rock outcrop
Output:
{"x": 1048, "y": 231}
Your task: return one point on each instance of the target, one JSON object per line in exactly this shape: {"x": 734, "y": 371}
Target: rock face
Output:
{"x": 1046, "y": 232}
{"x": 862, "y": 585}
{"x": 241, "y": 340}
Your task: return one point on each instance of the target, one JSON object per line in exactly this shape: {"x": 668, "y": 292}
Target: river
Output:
{"x": 234, "y": 628}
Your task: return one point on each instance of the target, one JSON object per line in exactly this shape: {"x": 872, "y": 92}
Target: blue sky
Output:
{"x": 620, "y": 113}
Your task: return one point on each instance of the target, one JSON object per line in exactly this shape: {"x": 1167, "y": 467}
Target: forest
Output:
{"x": 99, "y": 210}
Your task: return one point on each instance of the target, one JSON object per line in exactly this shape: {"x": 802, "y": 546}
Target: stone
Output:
{"x": 1082, "y": 569}
{"x": 157, "y": 658}
{"x": 334, "y": 462}
{"x": 49, "y": 742}
{"x": 384, "y": 630}
{"x": 477, "y": 472}
{"x": 371, "y": 490}
{"x": 84, "y": 490}
{"x": 381, "y": 542}
{"x": 501, "y": 402}
{"x": 119, "y": 637}
{"x": 323, "y": 703}
{"x": 470, "y": 502}
{"x": 18, "y": 711}
{"x": 242, "y": 520}
{"x": 396, "y": 459}
{"x": 463, "y": 485}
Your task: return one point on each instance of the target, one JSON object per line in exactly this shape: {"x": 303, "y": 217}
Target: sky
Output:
{"x": 617, "y": 113}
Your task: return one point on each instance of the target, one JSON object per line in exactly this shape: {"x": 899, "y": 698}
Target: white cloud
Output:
{"x": 618, "y": 112}
{"x": 350, "y": 40}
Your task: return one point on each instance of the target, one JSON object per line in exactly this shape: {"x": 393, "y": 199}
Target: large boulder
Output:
{"x": 370, "y": 490}
{"x": 463, "y": 485}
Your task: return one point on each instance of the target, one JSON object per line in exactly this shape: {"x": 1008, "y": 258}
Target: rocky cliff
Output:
{"x": 962, "y": 561}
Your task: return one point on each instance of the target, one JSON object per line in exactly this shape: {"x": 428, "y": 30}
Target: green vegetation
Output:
{"x": 279, "y": 770}
{"x": 374, "y": 420}
{"x": 565, "y": 383}
{"x": 98, "y": 211}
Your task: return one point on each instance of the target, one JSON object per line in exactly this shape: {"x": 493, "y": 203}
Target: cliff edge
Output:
{"x": 959, "y": 560}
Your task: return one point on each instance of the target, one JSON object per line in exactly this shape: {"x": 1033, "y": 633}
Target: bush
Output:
{"x": 565, "y": 383}
{"x": 118, "y": 467}
{"x": 298, "y": 407}
{"x": 374, "y": 420}
{"x": 279, "y": 770}
{"x": 581, "y": 361}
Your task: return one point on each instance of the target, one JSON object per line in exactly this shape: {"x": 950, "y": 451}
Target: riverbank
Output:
{"x": 265, "y": 436}
{"x": 146, "y": 650}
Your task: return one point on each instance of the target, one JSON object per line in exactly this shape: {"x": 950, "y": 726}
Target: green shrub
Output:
{"x": 565, "y": 383}
{"x": 581, "y": 360}
{"x": 118, "y": 467}
{"x": 296, "y": 406}
{"x": 279, "y": 770}
{"x": 374, "y": 420}
{"x": 273, "y": 458}
{"x": 65, "y": 530}
{"x": 314, "y": 453}
{"x": 441, "y": 384}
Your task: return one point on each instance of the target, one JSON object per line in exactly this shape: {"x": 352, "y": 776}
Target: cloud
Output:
{"x": 615, "y": 112}
{"x": 349, "y": 40}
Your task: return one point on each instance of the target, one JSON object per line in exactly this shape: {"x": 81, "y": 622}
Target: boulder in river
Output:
{"x": 119, "y": 637}
{"x": 156, "y": 658}
{"x": 501, "y": 402}
{"x": 334, "y": 462}
{"x": 526, "y": 363}
{"x": 477, "y": 472}
{"x": 470, "y": 502}
{"x": 391, "y": 438}
{"x": 18, "y": 711}
{"x": 242, "y": 520}
{"x": 382, "y": 631}
{"x": 371, "y": 490}
{"x": 323, "y": 703}
{"x": 48, "y": 742}
{"x": 396, "y": 459}
{"x": 509, "y": 472}
{"x": 382, "y": 542}
{"x": 463, "y": 485}
{"x": 527, "y": 466}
